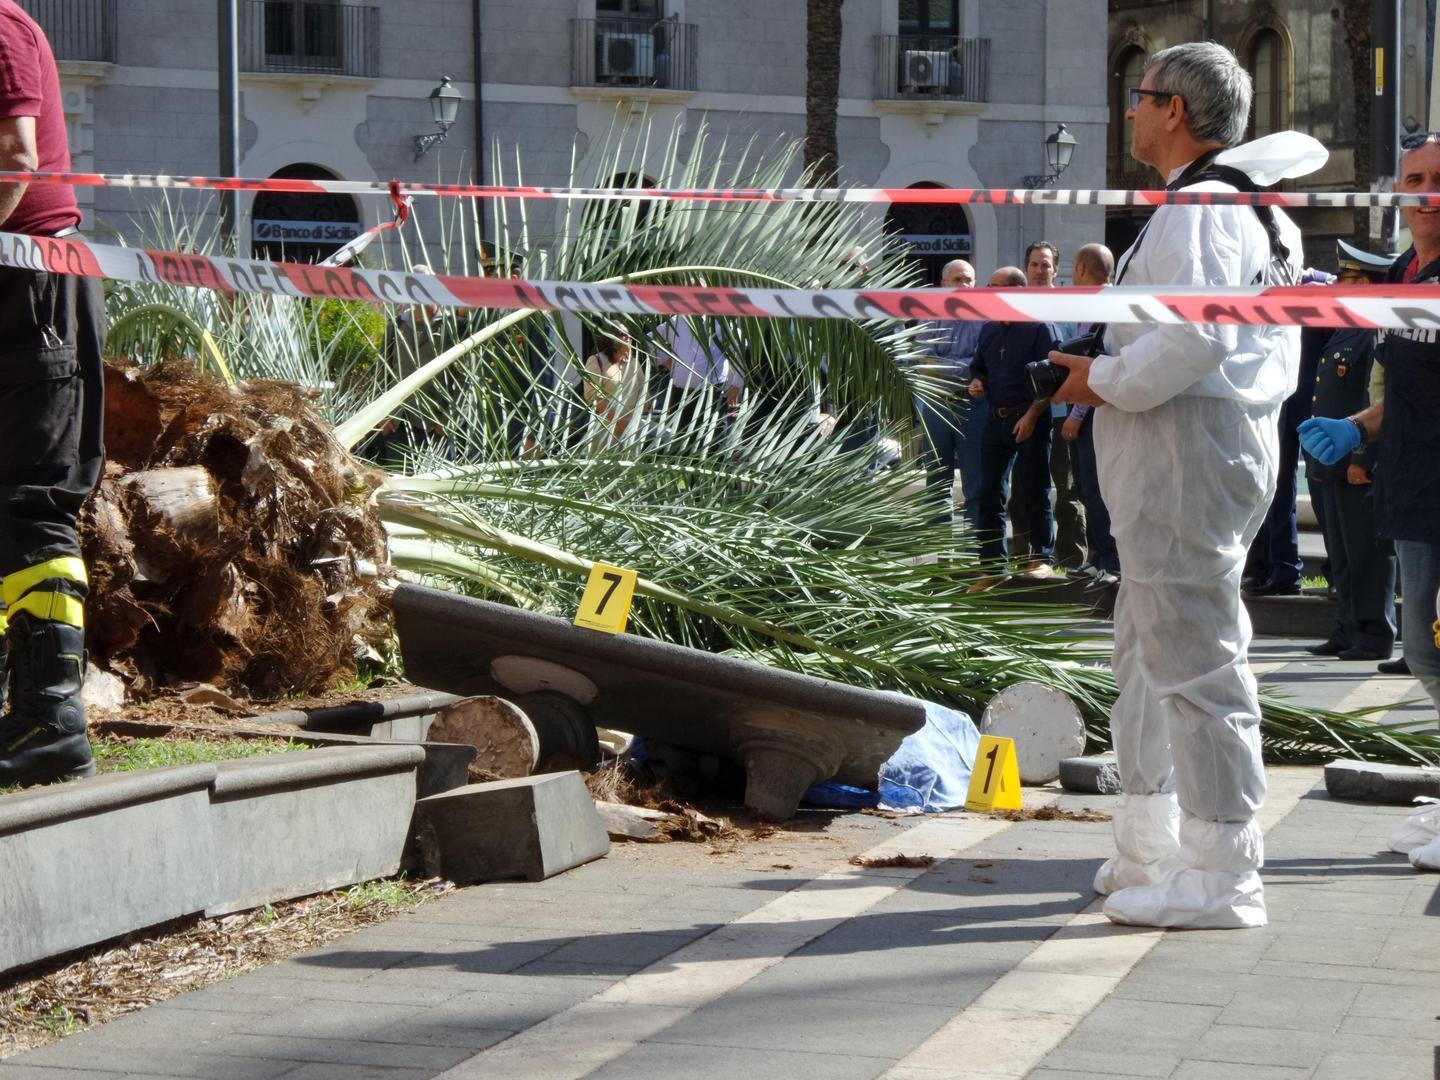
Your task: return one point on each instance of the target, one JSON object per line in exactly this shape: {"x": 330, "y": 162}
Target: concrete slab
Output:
{"x": 304, "y": 822}
{"x": 1097, "y": 774}
{"x": 790, "y": 730}
{"x": 532, "y": 827}
{"x": 1367, "y": 781}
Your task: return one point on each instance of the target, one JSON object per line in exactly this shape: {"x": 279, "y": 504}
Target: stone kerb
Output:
{"x": 88, "y": 861}
{"x": 95, "y": 859}
{"x": 306, "y": 822}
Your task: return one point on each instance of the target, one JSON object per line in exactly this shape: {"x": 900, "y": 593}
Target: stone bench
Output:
{"x": 789, "y": 730}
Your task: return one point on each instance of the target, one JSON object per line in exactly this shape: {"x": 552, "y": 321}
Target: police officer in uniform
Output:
{"x": 1362, "y": 564}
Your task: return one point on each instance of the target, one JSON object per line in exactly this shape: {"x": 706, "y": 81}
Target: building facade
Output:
{"x": 1313, "y": 63}
{"x": 957, "y": 93}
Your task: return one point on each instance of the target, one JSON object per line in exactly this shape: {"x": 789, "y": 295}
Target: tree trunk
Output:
{"x": 822, "y": 87}
{"x": 1356, "y": 23}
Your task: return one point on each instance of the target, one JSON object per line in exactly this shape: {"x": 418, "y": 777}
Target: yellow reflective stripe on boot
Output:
{"x": 55, "y": 606}
{"x": 68, "y": 568}
{"x": 4, "y": 619}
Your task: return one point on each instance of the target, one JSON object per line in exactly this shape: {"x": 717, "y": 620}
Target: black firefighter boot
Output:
{"x": 42, "y": 738}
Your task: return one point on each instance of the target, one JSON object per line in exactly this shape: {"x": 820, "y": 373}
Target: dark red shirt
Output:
{"x": 30, "y": 86}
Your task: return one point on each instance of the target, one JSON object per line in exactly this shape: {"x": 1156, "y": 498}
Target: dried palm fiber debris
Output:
{"x": 225, "y": 538}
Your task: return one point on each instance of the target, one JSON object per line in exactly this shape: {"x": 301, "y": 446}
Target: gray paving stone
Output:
{"x": 350, "y": 1050}
{"x": 876, "y": 932}
{"x": 159, "y": 1061}
{"x": 513, "y": 1002}
{"x": 1391, "y": 1027}
{"x": 494, "y": 958}
{"x": 667, "y": 1061}
{"x": 1065, "y": 1074}
{"x": 1340, "y": 973}
{"x": 1421, "y": 954}
{"x": 324, "y": 1019}
{"x": 1398, "y": 1002}
{"x": 754, "y": 1021}
{"x": 316, "y": 1070}
{"x": 225, "y": 997}
{"x": 1225, "y": 1070}
{"x": 1258, "y": 1046}
{"x": 1232, "y": 951}
{"x": 579, "y": 969}
{"x": 1111, "y": 1062}
{"x": 1266, "y": 1002}
{"x": 1165, "y": 1029}
{"x": 1175, "y": 982}
{"x": 624, "y": 949}
{"x": 427, "y": 1033}
{"x": 927, "y": 976}
{"x": 11, "y": 1070}
{"x": 1347, "y": 1065}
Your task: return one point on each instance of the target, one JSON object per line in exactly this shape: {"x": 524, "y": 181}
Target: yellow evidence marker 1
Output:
{"x": 995, "y": 783}
{"x": 606, "y": 603}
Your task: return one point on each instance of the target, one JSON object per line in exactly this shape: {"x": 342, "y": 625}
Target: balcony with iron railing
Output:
{"x": 1124, "y": 173}
{"x": 634, "y": 53}
{"x": 301, "y": 38}
{"x": 931, "y": 68}
{"x": 81, "y": 30}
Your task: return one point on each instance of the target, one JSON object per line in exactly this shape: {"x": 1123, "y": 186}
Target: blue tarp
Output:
{"x": 930, "y": 772}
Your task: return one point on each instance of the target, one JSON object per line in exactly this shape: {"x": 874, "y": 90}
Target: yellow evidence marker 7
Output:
{"x": 995, "y": 782}
{"x": 606, "y": 603}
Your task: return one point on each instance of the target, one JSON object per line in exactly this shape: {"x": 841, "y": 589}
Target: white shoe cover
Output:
{"x": 1426, "y": 857}
{"x": 1147, "y": 836}
{"x": 1419, "y": 829}
{"x": 1190, "y": 899}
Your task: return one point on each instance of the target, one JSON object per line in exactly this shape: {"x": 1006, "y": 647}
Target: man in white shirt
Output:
{"x": 1187, "y": 448}
{"x": 702, "y": 381}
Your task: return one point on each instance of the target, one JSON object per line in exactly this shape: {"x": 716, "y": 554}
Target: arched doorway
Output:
{"x": 301, "y": 228}
{"x": 934, "y": 234}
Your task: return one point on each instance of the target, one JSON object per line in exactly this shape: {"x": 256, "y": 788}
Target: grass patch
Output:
{"x": 114, "y": 755}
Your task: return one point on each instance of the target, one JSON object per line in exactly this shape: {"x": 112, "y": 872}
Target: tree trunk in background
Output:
{"x": 1356, "y": 23}
{"x": 822, "y": 85}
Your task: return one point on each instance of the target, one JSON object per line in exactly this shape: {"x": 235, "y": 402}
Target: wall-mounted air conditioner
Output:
{"x": 626, "y": 55}
{"x": 924, "y": 69}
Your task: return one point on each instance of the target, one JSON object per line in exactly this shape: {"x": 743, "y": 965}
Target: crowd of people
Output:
{"x": 1028, "y": 480}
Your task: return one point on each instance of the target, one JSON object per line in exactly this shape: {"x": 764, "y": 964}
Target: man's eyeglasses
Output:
{"x": 1160, "y": 96}
{"x": 1416, "y": 139}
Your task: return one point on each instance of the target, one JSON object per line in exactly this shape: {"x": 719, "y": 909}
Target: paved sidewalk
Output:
{"x": 781, "y": 959}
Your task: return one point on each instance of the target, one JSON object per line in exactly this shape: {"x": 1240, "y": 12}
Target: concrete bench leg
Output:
{"x": 784, "y": 752}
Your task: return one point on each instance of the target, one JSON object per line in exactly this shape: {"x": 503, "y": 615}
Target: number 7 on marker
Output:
{"x": 606, "y": 603}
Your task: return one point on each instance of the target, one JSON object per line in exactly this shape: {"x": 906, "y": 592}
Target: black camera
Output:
{"x": 1046, "y": 377}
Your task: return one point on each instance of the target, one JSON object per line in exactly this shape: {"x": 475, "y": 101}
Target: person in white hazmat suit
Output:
{"x": 1187, "y": 448}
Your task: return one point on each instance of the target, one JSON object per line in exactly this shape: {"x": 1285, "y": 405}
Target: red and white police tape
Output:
{"x": 927, "y": 196}
{"x": 1410, "y": 307}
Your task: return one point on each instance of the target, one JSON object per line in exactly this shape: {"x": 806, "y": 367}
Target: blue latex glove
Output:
{"x": 1326, "y": 440}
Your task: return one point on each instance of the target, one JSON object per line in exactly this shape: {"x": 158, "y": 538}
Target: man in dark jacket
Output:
{"x": 1362, "y": 564}
{"x": 1017, "y": 434}
{"x": 1407, "y": 481}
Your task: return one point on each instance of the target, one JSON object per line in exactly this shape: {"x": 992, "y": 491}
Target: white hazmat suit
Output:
{"x": 1187, "y": 451}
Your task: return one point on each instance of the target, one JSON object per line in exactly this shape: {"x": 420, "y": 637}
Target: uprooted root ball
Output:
{"x": 225, "y": 539}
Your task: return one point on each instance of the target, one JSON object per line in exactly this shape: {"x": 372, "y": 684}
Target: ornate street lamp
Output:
{"x": 444, "y": 103}
{"x": 1059, "y": 149}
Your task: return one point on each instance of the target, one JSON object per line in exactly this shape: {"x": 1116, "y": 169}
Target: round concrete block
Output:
{"x": 1094, "y": 775}
{"x": 507, "y": 742}
{"x": 1045, "y": 724}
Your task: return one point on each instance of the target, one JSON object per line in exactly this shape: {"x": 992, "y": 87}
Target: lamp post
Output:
{"x": 444, "y": 103}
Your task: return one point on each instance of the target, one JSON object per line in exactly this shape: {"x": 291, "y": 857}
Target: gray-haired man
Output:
{"x": 1187, "y": 448}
